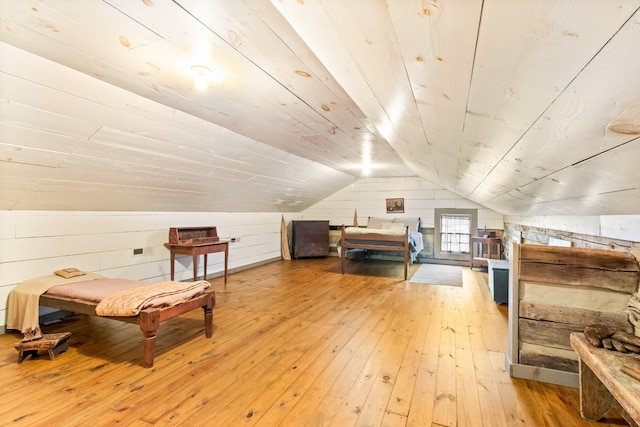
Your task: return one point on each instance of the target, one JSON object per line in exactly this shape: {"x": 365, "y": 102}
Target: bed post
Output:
{"x": 342, "y": 251}
{"x": 407, "y": 251}
{"x": 149, "y": 322}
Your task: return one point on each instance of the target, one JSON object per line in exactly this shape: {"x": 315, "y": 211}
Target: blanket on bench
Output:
{"x": 115, "y": 297}
{"x": 22, "y": 302}
{"x": 130, "y": 302}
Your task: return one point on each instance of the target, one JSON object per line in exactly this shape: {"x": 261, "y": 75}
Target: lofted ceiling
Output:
{"x": 525, "y": 107}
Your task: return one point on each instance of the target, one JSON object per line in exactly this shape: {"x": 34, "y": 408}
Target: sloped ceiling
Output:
{"x": 524, "y": 107}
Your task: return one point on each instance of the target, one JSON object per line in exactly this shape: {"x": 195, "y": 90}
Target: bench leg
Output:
{"x": 149, "y": 321}
{"x": 60, "y": 348}
{"x": 595, "y": 399}
{"x": 23, "y": 354}
{"x": 208, "y": 322}
{"x": 149, "y": 349}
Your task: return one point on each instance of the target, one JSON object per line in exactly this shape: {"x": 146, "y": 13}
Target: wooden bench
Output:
{"x": 54, "y": 344}
{"x": 603, "y": 384}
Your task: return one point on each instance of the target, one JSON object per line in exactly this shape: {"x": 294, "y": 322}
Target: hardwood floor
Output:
{"x": 295, "y": 343}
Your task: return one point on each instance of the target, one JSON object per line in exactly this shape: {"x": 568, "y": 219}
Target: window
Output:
{"x": 455, "y": 231}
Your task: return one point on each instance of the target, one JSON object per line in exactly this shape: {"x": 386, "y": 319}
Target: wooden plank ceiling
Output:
{"x": 512, "y": 104}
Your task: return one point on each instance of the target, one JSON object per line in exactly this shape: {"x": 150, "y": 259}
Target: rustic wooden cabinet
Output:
{"x": 484, "y": 248}
{"x": 310, "y": 238}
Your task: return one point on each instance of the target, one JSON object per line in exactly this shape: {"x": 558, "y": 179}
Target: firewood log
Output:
{"x": 618, "y": 346}
{"x": 632, "y": 348}
{"x": 626, "y": 338}
{"x": 606, "y": 342}
{"x": 596, "y": 332}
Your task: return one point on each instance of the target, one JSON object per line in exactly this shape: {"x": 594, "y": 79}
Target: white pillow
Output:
{"x": 398, "y": 226}
{"x": 376, "y": 222}
{"x": 411, "y": 222}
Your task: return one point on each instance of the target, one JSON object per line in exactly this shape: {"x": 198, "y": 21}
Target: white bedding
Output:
{"x": 357, "y": 231}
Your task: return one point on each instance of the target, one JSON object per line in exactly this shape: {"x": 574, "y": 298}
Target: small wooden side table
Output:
{"x": 54, "y": 344}
{"x": 195, "y": 251}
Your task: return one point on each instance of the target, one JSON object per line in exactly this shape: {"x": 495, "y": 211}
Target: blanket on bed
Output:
{"x": 22, "y": 302}
{"x": 130, "y": 302}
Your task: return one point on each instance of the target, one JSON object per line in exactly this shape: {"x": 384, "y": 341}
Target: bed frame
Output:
{"x": 149, "y": 319}
{"x": 377, "y": 242}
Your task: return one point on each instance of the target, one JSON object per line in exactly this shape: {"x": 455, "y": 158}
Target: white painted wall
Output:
{"x": 421, "y": 198}
{"x": 35, "y": 243}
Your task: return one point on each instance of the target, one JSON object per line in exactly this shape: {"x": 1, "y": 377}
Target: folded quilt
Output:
{"x": 130, "y": 302}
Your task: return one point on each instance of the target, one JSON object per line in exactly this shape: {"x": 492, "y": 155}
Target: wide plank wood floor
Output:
{"x": 295, "y": 343}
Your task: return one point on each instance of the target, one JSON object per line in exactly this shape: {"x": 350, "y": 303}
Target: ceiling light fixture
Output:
{"x": 201, "y": 75}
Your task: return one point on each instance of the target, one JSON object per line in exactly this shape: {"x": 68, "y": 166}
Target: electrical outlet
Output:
{"x": 235, "y": 239}
{"x": 137, "y": 251}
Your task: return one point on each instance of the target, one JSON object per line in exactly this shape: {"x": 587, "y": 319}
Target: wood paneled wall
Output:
{"x": 37, "y": 243}
{"x": 612, "y": 232}
{"x": 557, "y": 290}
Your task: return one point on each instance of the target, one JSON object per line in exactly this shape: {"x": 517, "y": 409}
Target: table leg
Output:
{"x": 173, "y": 266}
{"x": 195, "y": 267}
{"x": 205, "y": 267}
{"x": 226, "y": 260}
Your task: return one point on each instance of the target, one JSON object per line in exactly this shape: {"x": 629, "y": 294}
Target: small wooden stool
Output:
{"x": 53, "y": 343}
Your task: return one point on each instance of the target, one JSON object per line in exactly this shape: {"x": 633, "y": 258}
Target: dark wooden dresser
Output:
{"x": 309, "y": 238}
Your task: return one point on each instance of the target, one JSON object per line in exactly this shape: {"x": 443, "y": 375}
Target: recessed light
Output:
{"x": 201, "y": 75}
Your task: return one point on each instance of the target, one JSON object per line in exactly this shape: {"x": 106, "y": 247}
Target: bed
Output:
{"x": 401, "y": 235}
{"x": 146, "y": 304}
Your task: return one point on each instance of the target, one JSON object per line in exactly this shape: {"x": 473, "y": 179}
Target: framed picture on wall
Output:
{"x": 395, "y": 205}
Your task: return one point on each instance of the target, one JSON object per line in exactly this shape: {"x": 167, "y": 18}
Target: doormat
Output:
{"x": 437, "y": 274}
